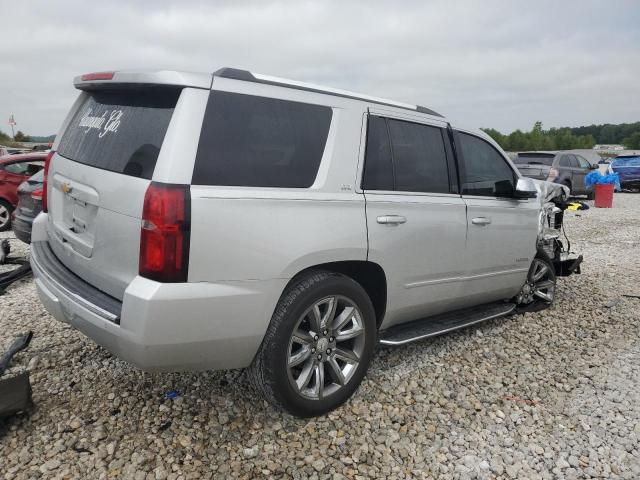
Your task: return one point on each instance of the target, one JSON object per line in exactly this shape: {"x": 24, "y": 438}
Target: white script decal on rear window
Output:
{"x": 105, "y": 123}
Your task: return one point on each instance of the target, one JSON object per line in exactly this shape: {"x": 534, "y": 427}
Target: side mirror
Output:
{"x": 525, "y": 188}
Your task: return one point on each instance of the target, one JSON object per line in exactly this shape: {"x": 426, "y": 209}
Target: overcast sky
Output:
{"x": 502, "y": 64}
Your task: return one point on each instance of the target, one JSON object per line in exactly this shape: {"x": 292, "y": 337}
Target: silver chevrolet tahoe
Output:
{"x": 229, "y": 220}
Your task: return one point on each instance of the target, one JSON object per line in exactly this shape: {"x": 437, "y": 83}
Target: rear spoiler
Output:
{"x": 91, "y": 81}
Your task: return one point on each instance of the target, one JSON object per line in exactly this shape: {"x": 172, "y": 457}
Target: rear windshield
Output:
{"x": 260, "y": 142}
{"x": 626, "y": 162}
{"x": 120, "y": 130}
{"x": 534, "y": 159}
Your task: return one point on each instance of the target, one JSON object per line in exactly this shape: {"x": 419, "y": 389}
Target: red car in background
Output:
{"x": 15, "y": 169}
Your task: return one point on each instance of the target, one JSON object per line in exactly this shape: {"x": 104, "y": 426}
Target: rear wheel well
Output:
{"x": 368, "y": 274}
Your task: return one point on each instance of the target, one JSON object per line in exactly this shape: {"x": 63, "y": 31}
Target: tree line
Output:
{"x": 22, "y": 138}
{"x": 19, "y": 138}
{"x": 627, "y": 134}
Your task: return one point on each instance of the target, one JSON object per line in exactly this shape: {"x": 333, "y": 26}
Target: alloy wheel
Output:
{"x": 5, "y": 216}
{"x": 325, "y": 347}
{"x": 540, "y": 284}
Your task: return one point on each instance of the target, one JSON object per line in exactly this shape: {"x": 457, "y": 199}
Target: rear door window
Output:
{"x": 260, "y": 142}
{"x": 405, "y": 156}
{"x": 484, "y": 171}
{"x": 565, "y": 161}
{"x": 419, "y": 157}
{"x": 583, "y": 163}
{"x": 574, "y": 161}
{"x": 120, "y": 130}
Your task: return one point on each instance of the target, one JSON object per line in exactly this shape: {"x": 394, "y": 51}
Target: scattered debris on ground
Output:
{"x": 552, "y": 394}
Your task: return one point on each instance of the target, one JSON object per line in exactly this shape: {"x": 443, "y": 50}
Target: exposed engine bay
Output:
{"x": 553, "y": 202}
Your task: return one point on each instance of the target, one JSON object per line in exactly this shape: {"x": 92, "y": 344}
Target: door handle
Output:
{"x": 481, "y": 221}
{"x": 391, "y": 219}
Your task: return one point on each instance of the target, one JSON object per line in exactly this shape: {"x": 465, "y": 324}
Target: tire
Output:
{"x": 5, "y": 215}
{"x": 270, "y": 373}
{"x": 591, "y": 195}
{"x": 567, "y": 184}
{"x": 534, "y": 294}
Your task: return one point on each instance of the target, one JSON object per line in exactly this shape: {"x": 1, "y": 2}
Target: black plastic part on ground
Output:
{"x": 15, "y": 392}
{"x": 20, "y": 343}
{"x": 22, "y": 270}
{"x": 567, "y": 267}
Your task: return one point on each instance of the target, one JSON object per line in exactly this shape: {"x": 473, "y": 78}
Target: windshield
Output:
{"x": 534, "y": 159}
{"x": 626, "y": 162}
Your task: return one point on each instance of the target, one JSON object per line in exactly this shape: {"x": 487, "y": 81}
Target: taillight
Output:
{"x": 37, "y": 194}
{"x": 164, "y": 236}
{"x": 97, "y": 76}
{"x": 45, "y": 182}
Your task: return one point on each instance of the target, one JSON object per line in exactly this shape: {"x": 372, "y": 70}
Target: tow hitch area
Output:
{"x": 15, "y": 391}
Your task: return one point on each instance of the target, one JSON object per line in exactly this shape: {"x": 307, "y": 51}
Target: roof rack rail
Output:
{"x": 247, "y": 76}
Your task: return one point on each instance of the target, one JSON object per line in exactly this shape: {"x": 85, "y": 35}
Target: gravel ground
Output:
{"x": 544, "y": 395}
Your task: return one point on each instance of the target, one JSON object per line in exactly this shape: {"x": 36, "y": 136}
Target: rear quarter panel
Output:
{"x": 268, "y": 235}
{"x": 249, "y": 233}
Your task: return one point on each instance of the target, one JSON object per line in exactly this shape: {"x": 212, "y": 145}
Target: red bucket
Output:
{"x": 604, "y": 195}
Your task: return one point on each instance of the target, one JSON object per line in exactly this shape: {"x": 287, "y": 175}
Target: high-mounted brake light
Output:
{"x": 165, "y": 233}
{"x": 97, "y": 76}
{"x": 45, "y": 181}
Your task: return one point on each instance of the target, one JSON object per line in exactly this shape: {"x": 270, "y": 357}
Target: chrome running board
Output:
{"x": 444, "y": 323}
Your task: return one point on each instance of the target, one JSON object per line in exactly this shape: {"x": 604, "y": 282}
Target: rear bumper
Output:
{"x": 630, "y": 184}
{"x": 22, "y": 228}
{"x": 170, "y": 327}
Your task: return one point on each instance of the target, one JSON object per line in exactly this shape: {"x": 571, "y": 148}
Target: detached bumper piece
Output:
{"x": 567, "y": 266}
{"x": 15, "y": 392}
{"x": 22, "y": 270}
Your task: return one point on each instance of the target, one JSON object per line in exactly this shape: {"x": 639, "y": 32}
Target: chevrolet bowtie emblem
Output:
{"x": 66, "y": 188}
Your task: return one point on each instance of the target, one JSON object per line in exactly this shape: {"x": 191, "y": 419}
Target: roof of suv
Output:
{"x": 204, "y": 80}
{"x": 248, "y": 76}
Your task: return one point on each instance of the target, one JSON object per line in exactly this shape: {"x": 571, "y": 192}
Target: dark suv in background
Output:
{"x": 565, "y": 168}
{"x": 29, "y": 206}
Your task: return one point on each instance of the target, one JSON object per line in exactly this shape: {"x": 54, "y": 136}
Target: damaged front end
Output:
{"x": 553, "y": 199}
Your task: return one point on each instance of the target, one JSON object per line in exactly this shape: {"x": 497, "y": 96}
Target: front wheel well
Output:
{"x": 369, "y": 275}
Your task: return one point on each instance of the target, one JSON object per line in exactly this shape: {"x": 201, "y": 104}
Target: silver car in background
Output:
{"x": 231, "y": 220}
{"x": 563, "y": 167}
